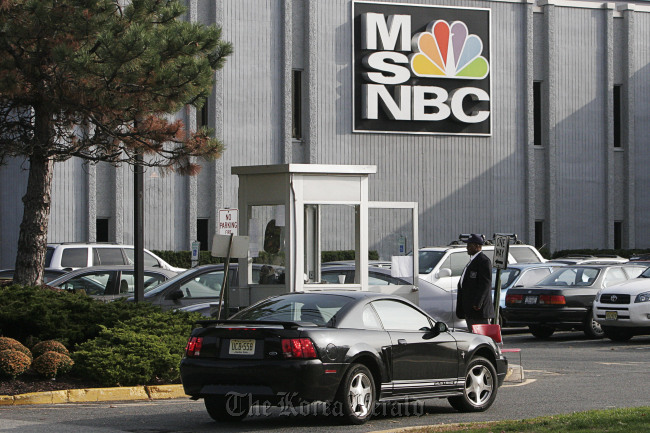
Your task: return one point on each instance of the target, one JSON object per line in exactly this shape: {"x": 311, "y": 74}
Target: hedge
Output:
{"x": 34, "y": 314}
{"x": 181, "y": 259}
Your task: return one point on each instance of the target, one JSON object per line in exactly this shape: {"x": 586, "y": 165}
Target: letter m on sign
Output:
{"x": 396, "y": 29}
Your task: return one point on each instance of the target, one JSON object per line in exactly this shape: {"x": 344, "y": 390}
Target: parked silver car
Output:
{"x": 202, "y": 285}
{"x": 109, "y": 282}
{"x": 439, "y": 303}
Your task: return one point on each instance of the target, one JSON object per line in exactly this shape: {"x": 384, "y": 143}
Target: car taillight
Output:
{"x": 298, "y": 348}
{"x": 552, "y": 299}
{"x": 514, "y": 299}
{"x": 193, "y": 347}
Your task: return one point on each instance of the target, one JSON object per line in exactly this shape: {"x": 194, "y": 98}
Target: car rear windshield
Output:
{"x": 427, "y": 260}
{"x": 310, "y": 307}
{"x": 48, "y": 256}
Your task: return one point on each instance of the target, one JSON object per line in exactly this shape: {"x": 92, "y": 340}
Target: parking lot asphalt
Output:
{"x": 153, "y": 392}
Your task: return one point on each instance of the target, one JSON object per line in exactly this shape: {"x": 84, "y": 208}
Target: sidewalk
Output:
{"x": 153, "y": 392}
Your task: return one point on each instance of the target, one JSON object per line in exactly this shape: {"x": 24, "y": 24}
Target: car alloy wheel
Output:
{"x": 480, "y": 387}
{"x": 592, "y": 328}
{"x": 357, "y": 394}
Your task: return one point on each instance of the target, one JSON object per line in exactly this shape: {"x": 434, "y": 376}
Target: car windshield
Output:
{"x": 428, "y": 260}
{"x": 645, "y": 274}
{"x": 523, "y": 254}
{"x": 310, "y": 307}
{"x": 571, "y": 276}
{"x": 508, "y": 276}
{"x": 161, "y": 287}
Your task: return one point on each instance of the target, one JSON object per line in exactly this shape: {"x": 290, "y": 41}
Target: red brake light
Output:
{"x": 552, "y": 299}
{"x": 298, "y": 348}
{"x": 193, "y": 347}
{"x": 514, "y": 299}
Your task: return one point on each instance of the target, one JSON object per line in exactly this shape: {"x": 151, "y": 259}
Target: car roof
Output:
{"x": 532, "y": 265}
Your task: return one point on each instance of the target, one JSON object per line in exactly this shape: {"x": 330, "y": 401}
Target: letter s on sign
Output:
{"x": 377, "y": 61}
{"x": 457, "y": 98}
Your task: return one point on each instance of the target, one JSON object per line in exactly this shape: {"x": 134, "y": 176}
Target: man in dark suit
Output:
{"x": 474, "y": 301}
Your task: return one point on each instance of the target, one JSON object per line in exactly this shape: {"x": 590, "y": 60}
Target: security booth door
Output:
{"x": 421, "y": 362}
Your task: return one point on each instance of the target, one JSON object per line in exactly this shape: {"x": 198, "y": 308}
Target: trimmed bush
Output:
{"x": 183, "y": 259}
{"x": 37, "y": 313}
{"x": 13, "y": 363}
{"x": 143, "y": 350}
{"x": 13, "y": 344}
{"x": 52, "y": 364}
{"x": 49, "y": 346}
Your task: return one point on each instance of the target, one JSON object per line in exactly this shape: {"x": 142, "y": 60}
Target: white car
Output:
{"x": 623, "y": 310}
{"x": 74, "y": 255}
{"x": 444, "y": 265}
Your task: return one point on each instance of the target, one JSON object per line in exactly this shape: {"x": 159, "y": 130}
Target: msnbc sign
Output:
{"x": 421, "y": 69}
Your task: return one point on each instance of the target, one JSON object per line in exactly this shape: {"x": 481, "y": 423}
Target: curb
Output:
{"x": 153, "y": 392}
{"x": 515, "y": 373}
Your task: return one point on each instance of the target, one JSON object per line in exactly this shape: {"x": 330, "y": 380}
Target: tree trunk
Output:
{"x": 32, "y": 241}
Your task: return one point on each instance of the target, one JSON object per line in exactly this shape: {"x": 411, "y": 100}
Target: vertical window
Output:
{"x": 296, "y": 105}
{"x": 537, "y": 113}
{"x": 618, "y": 235}
{"x": 202, "y": 115}
{"x": 101, "y": 230}
{"x": 617, "y": 115}
{"x": 539, "y": 233}
{"x": 202, "y": 233}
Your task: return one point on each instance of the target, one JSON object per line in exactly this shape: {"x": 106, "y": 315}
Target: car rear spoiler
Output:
{"x": 285, "y": 325}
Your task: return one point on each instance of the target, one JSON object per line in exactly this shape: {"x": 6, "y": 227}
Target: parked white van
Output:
{"x": 73, "y": 255}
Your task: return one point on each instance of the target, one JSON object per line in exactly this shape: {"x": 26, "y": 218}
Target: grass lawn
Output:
{"x": 627, "y": 420}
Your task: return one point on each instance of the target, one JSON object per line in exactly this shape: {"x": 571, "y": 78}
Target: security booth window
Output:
{"x": 267, "y": 245}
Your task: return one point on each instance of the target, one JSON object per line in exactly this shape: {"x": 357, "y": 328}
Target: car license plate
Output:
{"x": 531, "y": 300}
{"x": 611, "y": 315}
{"x": 242, "y": 347}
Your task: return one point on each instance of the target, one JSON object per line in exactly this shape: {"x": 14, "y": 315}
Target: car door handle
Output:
{"x": 401, "y": 341}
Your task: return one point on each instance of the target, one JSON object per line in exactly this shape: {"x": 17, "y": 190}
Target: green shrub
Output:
{"x": 182, "y": 259}
{"x": 52, "y": 364}
{"x": 13, "y": 363}
{"x": 143, "y": 350}
{"x": 13, "y": 344}
{"x": 37, "y": 313}
{"x": 49, "y": 346}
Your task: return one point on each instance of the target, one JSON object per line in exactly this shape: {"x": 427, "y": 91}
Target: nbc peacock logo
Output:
{"x": 448, "y": 51}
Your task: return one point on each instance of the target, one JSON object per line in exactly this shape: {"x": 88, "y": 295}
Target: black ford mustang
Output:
{"x": 350, "y": 348}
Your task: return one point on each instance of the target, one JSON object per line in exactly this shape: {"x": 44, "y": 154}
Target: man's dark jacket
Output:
{"x": 475, "y": 289}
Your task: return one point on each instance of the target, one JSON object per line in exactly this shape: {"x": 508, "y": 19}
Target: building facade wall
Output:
{"x": 576, "y": 182}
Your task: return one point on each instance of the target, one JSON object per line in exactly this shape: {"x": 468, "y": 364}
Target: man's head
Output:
{"x": 474, "y": 244}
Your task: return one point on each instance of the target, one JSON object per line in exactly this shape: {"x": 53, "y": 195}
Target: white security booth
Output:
{"x": 285, "y": 210}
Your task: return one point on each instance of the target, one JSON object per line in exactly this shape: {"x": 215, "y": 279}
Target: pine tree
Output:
{"x": 98, "y": 80}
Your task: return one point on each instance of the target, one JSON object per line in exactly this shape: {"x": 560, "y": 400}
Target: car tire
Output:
{"x": 592, "y": 329}
{"x": 227, "y": 408}
{"x": 617, "y": 334}
{"x": 480, "y": 390}
{"x": 356, "y": 394}
{"x": 541, "y": 331}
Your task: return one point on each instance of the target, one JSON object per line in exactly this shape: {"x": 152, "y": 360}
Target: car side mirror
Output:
{"x": 444, "y": 272}
{"x": 175, "y": 295}
{"x": 437, "y": 329}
